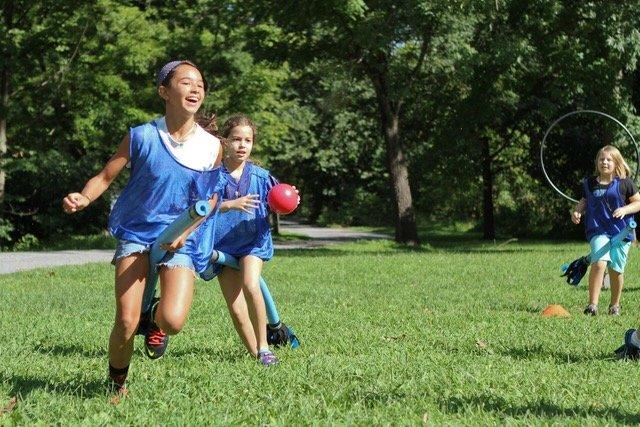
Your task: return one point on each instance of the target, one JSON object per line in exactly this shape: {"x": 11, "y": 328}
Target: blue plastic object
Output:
{"x": 185, "y": 220}
{"x": 575, "y": 271}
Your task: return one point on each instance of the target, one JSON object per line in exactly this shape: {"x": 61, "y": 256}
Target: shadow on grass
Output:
{"x": 541, "y": 408}
{"x": 430, "y": 244}
{"x": 69, "y": 350}
{"x": 539, "y": 352}
{"x": 399, "y": 250}
{"x": 218, "y": 354}
{"x": 230, "y": 354}
{"x": 512, "y": 307}
{"x": 23, "y": 385}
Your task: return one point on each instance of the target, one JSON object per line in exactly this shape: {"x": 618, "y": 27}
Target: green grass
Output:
{"x": 285, "y": 236}
{"x": 449, "y": 333}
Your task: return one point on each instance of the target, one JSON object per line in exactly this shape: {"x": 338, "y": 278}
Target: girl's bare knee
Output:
{"x": 251, "y": 289}
{"x": 126, "y": 325}
{"x": 172, "y": 324}
{"x": 238, "y": 313}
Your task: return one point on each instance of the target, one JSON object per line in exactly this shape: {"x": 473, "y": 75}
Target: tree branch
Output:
{"x": 424, "y": 48}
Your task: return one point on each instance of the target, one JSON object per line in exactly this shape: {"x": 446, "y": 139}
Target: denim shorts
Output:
{"x": 616, "y": 257}
{"x": 171, "y": 259}
{"x": 211, "y": 272}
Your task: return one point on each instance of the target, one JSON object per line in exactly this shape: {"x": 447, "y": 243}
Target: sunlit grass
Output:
{"x": 448, "y": 333}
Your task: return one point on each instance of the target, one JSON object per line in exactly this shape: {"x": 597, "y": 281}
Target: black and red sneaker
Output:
{"x": 155, "y": 342}
{"x": 155, "y": 339}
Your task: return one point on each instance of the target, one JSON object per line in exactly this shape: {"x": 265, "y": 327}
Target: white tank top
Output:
{"x": 199, "y": 151}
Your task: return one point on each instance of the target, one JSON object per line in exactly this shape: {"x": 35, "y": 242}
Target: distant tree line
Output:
{"x": 381, "y": 112}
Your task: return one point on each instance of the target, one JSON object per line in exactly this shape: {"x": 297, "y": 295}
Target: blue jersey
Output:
{"x": 601, "y": 203}
{"x": 159, "y": 189}
{"x": 239, "y": 233}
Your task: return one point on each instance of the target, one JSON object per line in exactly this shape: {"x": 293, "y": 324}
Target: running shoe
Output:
{"x": 267, "y": 358}
{"x": 155, "y": 342}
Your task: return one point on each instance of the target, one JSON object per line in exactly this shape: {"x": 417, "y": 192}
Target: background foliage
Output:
{"x": 77, "y": 74}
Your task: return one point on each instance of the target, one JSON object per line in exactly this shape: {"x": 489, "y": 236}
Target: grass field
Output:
{"x": 446, "y": 334}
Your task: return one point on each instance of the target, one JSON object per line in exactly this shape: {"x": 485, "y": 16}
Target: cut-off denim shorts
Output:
{"x": 171, "y": 259}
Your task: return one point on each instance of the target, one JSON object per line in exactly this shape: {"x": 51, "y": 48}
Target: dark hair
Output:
{"x": 167, "y": 80}
{"x": 238, "y": 120}
{"x": 209, "y": 123}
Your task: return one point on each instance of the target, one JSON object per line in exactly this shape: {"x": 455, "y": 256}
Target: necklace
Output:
{"x": 184, "y": 139}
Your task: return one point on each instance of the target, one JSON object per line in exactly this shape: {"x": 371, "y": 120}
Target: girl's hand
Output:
{"x": 576, "y": 217}
{"x": 297, "y": 192}
{"x": 620, "y": 212}
{"x": 176, "y": 244}
{"x": 75, "y": 202}
{"x": 246, "y": 203}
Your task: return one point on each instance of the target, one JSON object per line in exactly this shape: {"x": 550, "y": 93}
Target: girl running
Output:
{"x": 174, "y": 162}
{"x": 243, "y": 230}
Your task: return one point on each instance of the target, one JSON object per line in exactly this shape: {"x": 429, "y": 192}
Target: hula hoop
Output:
{"x": 599, "y": 113}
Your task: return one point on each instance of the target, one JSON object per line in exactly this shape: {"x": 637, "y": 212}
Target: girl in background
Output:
{"x": 609, "y": 201}
{"x": 243, "y": 231}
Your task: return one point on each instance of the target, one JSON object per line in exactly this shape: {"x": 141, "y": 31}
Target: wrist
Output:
{"x": 89, "y": 200}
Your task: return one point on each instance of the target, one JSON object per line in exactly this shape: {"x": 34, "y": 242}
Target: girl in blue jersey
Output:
{"x": 243, "y": 230}
{"x": 174, "y": 162}
{"x": 609, "y": 201}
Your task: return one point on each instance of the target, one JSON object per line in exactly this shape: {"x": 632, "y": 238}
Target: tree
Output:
{"x": 529, "y": 63}
{"x": 389, "y": 43}
{"x": 77, "y": 69}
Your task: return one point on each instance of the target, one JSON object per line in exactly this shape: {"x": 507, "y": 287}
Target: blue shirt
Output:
{"x": 239, "y": 233}
{"x": 602, "y": 201}
{"x": 159, "y": 189}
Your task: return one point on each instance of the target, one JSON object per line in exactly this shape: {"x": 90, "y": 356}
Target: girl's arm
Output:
{"x": 631, "y": 208}
{"x": 578, "y": 211}
{"x": 97, "y": 185}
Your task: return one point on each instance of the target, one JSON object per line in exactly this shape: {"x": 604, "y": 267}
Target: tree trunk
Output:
{"x": 4, "y": 99}
{"x": 406, "y": 229}
{"x": 488, "y": 226}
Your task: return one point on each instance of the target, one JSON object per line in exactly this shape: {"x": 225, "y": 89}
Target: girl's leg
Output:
{"x": 251, "y": 269}
{"x": 617, "y": 282}
{"x": 231, "y": 285}
{"x": 596, "y": 275}
{"x": 131, "y": 272}
{"x": 176, "y": 295}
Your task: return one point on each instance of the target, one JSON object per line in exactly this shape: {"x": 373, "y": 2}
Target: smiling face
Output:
{"x": 239, "y": 144}
{"x": 606, "y": 164}
{"x": 185, "y": 90}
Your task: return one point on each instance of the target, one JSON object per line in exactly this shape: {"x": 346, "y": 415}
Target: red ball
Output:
{"x": 283, "y": 199}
